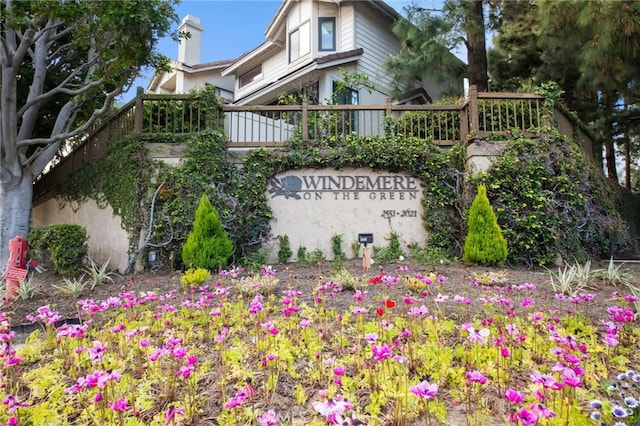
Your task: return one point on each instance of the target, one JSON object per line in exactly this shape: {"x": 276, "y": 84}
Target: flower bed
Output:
{"x": 258, "y": 350}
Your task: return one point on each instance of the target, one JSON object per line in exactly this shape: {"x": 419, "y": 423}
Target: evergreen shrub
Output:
{"x": 62, "y": 246}
{"x": 484, "y": 244}
{"x": 207, "y": 245}
{"x": 285, "y": 252}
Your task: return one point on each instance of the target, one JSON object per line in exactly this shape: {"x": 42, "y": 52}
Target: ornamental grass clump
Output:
{"x": 207, "y": 246}
{"x": 485, "y": 244}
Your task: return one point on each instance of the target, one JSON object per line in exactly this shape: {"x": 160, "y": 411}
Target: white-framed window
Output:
{"x": 250, "y": 76}
{"x": 326, "y": 34}
{"x": 299, "y": 42}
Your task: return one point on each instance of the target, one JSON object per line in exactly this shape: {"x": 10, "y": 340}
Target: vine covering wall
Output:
{"x": 549, "y": 201}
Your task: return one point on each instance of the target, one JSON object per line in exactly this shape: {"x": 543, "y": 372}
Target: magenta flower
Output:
{"x": 13, "y": 404}
{"x": 381, "y": 352}
{"x": 171, "y": 413}
{"x": 424, "y": 389}
{"x": 527, "y": 417}
{"x": 120, "y": 405}
{"x": 570, "y": 378}
{"x": 514, "y": 396}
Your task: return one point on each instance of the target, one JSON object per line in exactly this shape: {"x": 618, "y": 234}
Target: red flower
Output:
{"x": 389, "y": 303}
{"x": 380, "y": 312}
{"x": 376, "y": 280}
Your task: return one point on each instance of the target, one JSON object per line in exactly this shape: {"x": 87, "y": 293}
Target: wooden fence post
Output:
{"x": 473, "y": 109}
{"x": 388, "y": 107}
{"x": 305, "y": 120}
{"x": 138, "y": 111}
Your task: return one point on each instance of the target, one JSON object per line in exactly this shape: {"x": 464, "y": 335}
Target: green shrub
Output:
{"x": 302, "y": 254}
{"x": 484, "y": 244}
{"x": 336, "y": 247}
{"x": 207, "y": 246}
{"x": 285, "y": 252}
{"x": 62, "y": 246}
{"x": 194, "y": 276}
{"x": 390, "y": 253}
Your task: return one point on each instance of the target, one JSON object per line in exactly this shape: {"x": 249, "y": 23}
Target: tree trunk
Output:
{"x": 610, "y": 158}
{"x": 476, "y": 44}
{"x": 627, "y": 162}
{"x": 15, "y": 214}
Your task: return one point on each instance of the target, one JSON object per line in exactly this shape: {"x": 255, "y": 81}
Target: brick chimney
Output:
{"x": 189, "y": 49}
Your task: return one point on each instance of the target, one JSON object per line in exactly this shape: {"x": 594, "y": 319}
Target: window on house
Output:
{"x": 250, "y": 76}
{"x": 326, "y": 34}
{"x": 299, "y": 43}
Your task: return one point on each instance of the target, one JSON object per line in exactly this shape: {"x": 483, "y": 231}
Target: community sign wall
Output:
{"x": 310, "y": 206}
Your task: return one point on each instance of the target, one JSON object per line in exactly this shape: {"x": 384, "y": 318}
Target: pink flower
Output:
{"x": 475, "y": 377}
{"x": 97, "y": 351}
{"x": 545, "y": 380}
{"x": 371, "y": 337}
{"x": 333, "y": 409}
{"x": 339, "y": 370}
{"x": 381, "y": 352}
{"x": 270, "y": 418}
{"x": 514, "y": 396}
{"x": 527, "y": 417}
{"x": 570, "y": 378}
{"x": 120, "y": 405}
{"x": 422, "y": 311}
{"x": 424, "y": 389}
{"x": 479, "y": 336}
{"x": 172, "y": 412}
{"x": 13, "y": 404}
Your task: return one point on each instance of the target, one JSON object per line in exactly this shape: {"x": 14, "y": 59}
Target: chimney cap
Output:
{"x": 192, "y": 21}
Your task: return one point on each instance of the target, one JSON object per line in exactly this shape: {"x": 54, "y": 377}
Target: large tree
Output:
{"x": 428, "y": 37}
{"x": 590, "y": 49}
{"x": 62, "y": 65}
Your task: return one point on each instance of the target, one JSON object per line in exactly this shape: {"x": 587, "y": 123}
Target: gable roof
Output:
{"x": 276, "y": 30}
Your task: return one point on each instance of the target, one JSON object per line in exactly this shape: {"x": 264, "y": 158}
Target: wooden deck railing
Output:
{"x": 275, "y": 125}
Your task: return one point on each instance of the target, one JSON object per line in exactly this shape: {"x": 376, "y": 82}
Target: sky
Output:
{"x": 231, "y": 28}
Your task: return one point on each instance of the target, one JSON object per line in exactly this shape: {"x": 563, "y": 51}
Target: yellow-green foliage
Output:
{"x": 484, "y": 244}
{"x": 207, "y": 246}
{"x": 195, "y": 276}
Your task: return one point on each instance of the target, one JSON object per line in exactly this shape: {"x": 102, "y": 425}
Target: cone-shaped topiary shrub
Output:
{"x": 207, "y": 246}
{"x": 485, "y": 244}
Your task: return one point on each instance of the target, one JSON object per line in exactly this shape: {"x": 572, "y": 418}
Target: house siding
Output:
{"x": 375, "y": 37}
{"x": 345, "y": 25}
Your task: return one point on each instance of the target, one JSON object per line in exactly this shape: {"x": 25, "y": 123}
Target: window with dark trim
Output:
{"x": 326, "y": 34}
{"x": 250, "y": 76}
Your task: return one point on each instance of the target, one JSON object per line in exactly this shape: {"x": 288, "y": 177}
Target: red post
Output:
{"x": 16, "y": 266}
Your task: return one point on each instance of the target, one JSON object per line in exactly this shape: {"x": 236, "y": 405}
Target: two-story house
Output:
{"x": 309, "y": 44}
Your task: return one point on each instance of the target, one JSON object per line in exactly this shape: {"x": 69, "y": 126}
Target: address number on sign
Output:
{"x": 387, "y": 214}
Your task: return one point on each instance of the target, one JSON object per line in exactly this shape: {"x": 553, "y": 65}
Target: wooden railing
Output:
{"x": 276, "y": 125}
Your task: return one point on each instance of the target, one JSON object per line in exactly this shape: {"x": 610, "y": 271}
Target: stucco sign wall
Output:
{"x": 311, "y": 206}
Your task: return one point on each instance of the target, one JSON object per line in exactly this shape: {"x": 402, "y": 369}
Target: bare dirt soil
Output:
{"x": 307, "y": 277}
